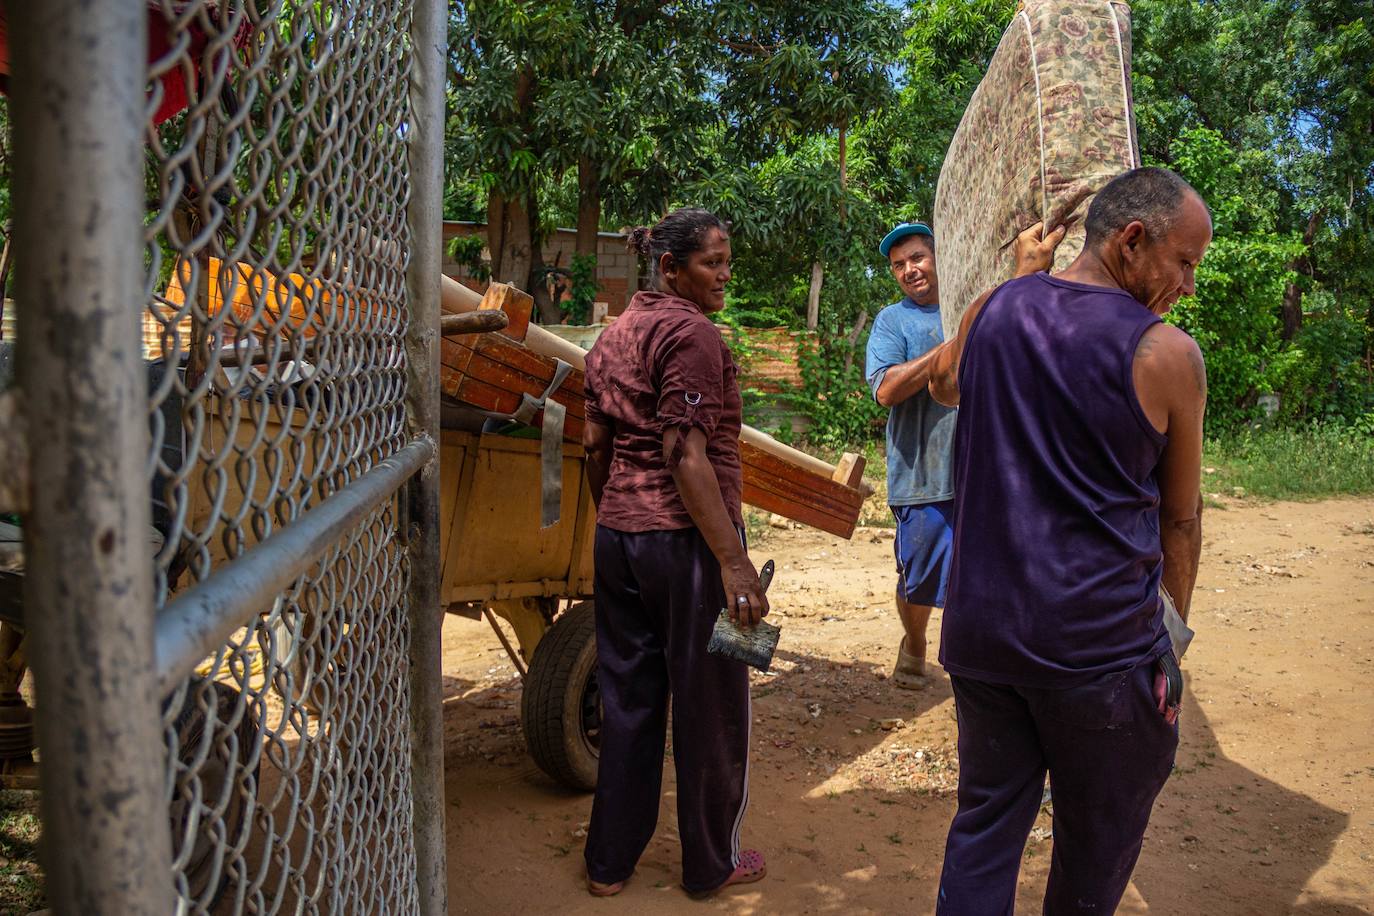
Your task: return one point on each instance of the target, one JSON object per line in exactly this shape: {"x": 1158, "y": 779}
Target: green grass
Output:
{"x": 21, "y": 880}
{"x": 1312, "y": 462}
{"x": 1306, "y": 462}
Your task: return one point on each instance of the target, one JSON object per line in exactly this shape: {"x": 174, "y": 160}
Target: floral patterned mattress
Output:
{"x": 1049, "y": 125}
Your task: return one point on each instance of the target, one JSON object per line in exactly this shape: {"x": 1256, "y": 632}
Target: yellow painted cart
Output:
{"x": 499, "y": 562}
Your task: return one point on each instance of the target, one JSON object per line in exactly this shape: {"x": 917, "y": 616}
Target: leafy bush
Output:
{"x": 1234, "y": 320}
{"x": 1322, "y": 374}
{"x": 582, "y": 273}
{"x": 834, "y": 395}
{"x": 466, "y": 250}
{"x": 748, "y": 306}
{"x": 1304, "y": 462}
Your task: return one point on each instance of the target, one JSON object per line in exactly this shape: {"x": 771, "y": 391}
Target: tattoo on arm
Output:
{"x": 1199, "y": 368}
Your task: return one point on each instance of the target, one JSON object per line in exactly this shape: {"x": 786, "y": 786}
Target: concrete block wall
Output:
{"x": 617, "y": 269}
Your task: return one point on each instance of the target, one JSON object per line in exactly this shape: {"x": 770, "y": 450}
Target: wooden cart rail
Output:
{"x": 492, "y": 372}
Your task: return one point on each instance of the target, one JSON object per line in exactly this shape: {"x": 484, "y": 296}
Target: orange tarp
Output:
{"x": 294, "y": 301}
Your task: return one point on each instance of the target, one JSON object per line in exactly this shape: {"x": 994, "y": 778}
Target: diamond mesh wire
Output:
{"x": 275, "y": 269}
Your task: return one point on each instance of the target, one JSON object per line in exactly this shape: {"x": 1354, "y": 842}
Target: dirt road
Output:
{"x": 1270, "y": 810}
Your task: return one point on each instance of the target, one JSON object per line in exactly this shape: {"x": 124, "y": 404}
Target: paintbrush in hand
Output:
{"x": 751, "y": 645}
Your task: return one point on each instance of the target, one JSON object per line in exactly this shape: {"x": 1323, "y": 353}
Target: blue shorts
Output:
{"x": 924, "y": 545}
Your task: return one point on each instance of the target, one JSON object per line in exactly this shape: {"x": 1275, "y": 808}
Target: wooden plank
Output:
{"x": 539, "y": 369}
{"x": 798, "y": 512}
{"x": 766, "y": 443}
{"x": 498, "y": 359}
{"x": 449, "y": 381}
{"x": 517, "y": 383}
{"x": 789, "y": 507}
{"x": 797, "y": 492}
{"x": 477, "y": 393}
{"x": 496, "y": 372}
{"x": 803, "y": 492}
{"x": 517, "y": 305}
{"x": 454, "y": 353}
{"x": 773, "y": 464}
{"x": 815, "y": 487}
{"x": 850, "y": 470}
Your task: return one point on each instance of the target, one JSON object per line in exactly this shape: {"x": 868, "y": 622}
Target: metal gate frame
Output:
{"x": 101, "y": 656}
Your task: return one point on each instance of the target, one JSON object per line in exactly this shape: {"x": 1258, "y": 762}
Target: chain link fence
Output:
{"x": 279, "y": 344}
{"x": 275, "y": 264}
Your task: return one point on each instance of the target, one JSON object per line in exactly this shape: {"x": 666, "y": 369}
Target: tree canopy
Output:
{"x": 814, "y": 127}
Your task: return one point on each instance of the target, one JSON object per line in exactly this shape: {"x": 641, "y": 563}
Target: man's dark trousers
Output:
{"x": 1108, "y": 751}
{"x": 658, "y": 594}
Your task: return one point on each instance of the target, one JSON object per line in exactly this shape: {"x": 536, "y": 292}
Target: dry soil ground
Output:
{"x": 1270, "y": 810}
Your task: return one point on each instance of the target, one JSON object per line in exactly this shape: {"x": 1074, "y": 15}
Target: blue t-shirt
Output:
{"x": 920, "y": 431}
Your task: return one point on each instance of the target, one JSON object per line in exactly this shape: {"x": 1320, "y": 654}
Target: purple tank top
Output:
{"x": 1057, "y": 559}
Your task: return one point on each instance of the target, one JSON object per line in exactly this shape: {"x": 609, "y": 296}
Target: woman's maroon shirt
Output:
{"x": 662, "y": 364}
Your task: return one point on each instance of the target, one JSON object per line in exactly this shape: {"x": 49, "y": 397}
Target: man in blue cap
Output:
{"x": 920, "y": 432}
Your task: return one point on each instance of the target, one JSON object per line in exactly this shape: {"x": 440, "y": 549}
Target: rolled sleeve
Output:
{"x": 691, "y": 378}
{"x": 886, "y": 349}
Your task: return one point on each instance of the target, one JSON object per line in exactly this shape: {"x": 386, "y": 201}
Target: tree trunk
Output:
{"x": 859, "y": 324}
{"x": 1292, "y": 294}
{"x": 509, "y": 235}
{"x": 508, "y": 239}
{"x": 538, "y": 285}
{"x": 588, "y": 205}
{"x": 813, "y": 297}
{"x": 844, "y": 173}
{"x": 1292, "y": 311}
{"x": 5, "y": 268}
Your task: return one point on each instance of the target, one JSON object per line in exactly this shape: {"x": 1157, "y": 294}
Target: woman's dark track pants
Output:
{"x": 658, "y": 594}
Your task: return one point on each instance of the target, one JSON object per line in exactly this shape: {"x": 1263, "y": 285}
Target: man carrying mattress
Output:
{"x": 1076, "y": 477}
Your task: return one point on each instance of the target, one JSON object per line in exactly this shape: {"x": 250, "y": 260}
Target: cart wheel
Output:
{"x": 560, "y": 710}
{"x": 206, "y": 877}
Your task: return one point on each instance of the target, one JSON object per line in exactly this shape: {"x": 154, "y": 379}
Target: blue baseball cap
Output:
{"x": 901, "y": 231}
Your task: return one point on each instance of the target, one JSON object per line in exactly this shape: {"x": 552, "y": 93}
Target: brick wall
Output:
{"x": 617, "y": 270}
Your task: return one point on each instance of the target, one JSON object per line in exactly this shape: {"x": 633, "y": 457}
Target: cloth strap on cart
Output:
{"x": 550, "y": 442}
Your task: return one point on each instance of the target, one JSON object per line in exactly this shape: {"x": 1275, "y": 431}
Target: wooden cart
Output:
{"x": 500, "y": 562}
{"x": 500, "y": 558}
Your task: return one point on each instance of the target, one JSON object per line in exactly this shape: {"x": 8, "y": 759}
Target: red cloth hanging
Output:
{"x": 175, "y": 95}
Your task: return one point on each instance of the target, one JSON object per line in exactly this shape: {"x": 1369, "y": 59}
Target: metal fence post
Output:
{"x": 429, "y": 41}
{"x": 78, "y": 81}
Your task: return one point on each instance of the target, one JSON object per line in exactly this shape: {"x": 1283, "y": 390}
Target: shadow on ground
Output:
{"x": 853, "y": 818}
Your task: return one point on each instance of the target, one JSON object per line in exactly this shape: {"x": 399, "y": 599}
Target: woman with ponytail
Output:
{"x": 662, "y": 440}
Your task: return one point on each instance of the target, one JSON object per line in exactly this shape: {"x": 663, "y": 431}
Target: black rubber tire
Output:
{"x": 203, "y": 887}
{"x": 560, "y": 709}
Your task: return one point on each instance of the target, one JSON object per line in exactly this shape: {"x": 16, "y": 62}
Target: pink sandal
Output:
{"x": 597, "y": 889}
{"x": 751, "y": 868}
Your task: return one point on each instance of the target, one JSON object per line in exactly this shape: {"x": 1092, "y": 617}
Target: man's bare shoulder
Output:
{"x": 1168, "y": 354}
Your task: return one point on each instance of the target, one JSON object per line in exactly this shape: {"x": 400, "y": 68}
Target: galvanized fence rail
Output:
{"x": 228, "y": 245}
